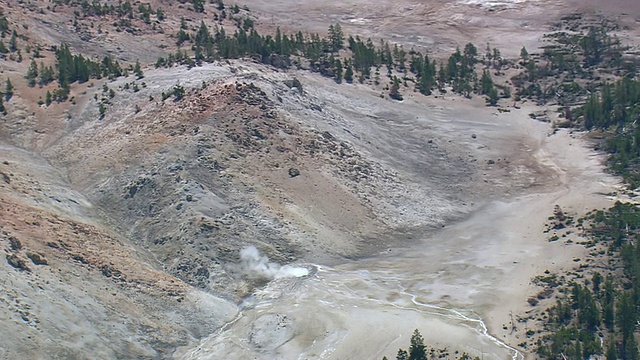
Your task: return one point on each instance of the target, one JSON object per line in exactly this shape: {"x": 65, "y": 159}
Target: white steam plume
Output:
{"x": 252, "y": 261}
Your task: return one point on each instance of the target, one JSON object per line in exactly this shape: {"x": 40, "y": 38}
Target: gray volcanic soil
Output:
{"x": 465, "y": 280}
{"x": 180, "y": 188}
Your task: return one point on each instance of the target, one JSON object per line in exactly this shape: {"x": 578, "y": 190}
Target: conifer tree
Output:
{"x": 32, "y": 74}
{"x": 337, "y": 70}
{"x": 612, "y": 352}
{"x": 417, "y": 350}
{"x": 524, "y": 54}
{"x": 348, "y": 72}
{"x": 394, "y": 91}
{"x": 46, "y": 75}
{"x": 13, "y": 43}
{"x": 8, "y": 92}
{"x": 402, "y": 355}
{"x": 486, "y": 83}
{"x": 138, "y": 70}
{"x": 492, "y": 97}
{"x": 336, "y": 37}
{"x": 4, "y": 26}
{"x": 198, "y": 5}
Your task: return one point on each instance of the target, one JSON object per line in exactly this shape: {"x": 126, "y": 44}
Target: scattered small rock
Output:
{"x": 293, "y": 172}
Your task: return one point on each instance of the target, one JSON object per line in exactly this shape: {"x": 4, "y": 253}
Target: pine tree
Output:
{"x": 524, "y": 54}
{"x": 492, "y": 97}
{"x": 336, "y": 37}
{"x": 402, "y": 355}
{"x": 348, "y": 72}
{"x": 4, "y": 26}
{"x": 47, "y": 98}
{"x": 101, "y": 110}
{"x": 497, "y": 58}
{"x": 198, "y": 5}
{"x": 631, "y": 349}
{"x": 612, "y": 352}
{"x": 138, "y": 70}
{"x": 394, "y": 91}
{"x": 486, "y": 83}
{"x": 46, "y": 75}
{"x": 470, "y": 52}
{"x": 178, "y": 92}
{"x": 3, "y": 110}
{"x": 626, "y": 316}
{"x": 417, "y": 350}
{"x": 32, "y": 74}
{"x": 13, "y": 43}
{"x": 202, "y": 36}
{"x": 182, "y": 37}
{"x": 8, "y": 92}
{"x": 337, "y": 70}
{"x": 427, "y": 77}
{"x": 160, "y": 14}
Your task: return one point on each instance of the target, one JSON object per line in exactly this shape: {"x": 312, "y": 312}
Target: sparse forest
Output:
{"x": 597, "y": 315}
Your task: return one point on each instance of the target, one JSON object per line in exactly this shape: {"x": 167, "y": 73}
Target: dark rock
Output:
{"x": 327, "y": 135}
{"x": 108, "y": 271}
{"x": 491, "y": 162}
{"x": 136, "y": 186}
{"x": 52, "y": 245}
{"x": 533, "y": 301}
{"x": 279, "y": 61}
{"x": 37, "y": 259}
{"x": 5, "y": 177}
{"x": 294, "y": 83}
{"x": 473, "y": 136}
{"x": 545, "y": 294}
{"x": 202, "y": 273}
{"x": 17, "y": 263}
{"x": 293, "y": 172}
{"x": 80, "y": 258}
{"x": 15, "y": 243}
